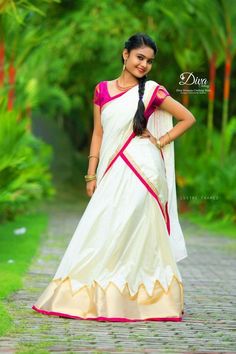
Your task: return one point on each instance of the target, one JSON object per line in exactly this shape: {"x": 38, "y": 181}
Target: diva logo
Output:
{"x": 188, "y": 78}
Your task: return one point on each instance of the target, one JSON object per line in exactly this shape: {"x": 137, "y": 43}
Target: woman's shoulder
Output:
{"x": 159, "y": 92}
{"x": 158, "y": 87}
{"x": 151, "y": 82}
{"x": 100, "y": 84}
{"x": 99, "y": 92}
{"x": 154, "y": 84}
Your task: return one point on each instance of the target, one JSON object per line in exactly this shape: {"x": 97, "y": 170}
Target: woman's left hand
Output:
{"x": 146, "y": 134}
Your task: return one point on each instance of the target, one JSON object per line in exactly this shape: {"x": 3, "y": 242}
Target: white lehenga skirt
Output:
{"x": 119, "y": 264}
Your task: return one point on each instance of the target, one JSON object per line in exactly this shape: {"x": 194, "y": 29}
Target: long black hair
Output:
{"x": 139, "y": 40}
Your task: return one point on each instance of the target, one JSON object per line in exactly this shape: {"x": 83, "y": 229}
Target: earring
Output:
{"x": 124, "y": 65}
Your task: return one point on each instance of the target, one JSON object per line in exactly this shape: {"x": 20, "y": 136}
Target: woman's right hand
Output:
{"x": 90, "y": 187}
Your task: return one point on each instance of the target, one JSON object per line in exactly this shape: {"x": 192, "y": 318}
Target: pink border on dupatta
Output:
{"x": 111, "y": 319}
{"x": 119, "y": 152}
{"x": 150, "y": 190}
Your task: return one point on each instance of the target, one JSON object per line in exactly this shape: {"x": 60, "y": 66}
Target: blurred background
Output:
{"x": 53, "y": 53}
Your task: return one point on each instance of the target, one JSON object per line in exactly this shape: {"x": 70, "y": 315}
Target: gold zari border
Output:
{"x": 92, "y": 301}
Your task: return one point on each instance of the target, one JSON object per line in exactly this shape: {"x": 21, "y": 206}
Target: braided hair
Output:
{"x": 139, "y": 40}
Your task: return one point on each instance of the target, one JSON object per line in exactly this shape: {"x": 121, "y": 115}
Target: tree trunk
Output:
{"x": 211, "y": 99}
{"x": 11, "y": 93}
{"x": 225, "y": 113}
{"x": 185, "y": 97}
{"x": 2, "y": 55}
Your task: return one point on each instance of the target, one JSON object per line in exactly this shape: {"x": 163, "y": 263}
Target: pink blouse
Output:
{"x": 102, "y": 96}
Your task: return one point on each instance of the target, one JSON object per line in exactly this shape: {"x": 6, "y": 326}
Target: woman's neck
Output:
{"x": 126, "y": 79}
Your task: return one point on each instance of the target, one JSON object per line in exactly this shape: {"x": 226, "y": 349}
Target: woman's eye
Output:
{"x": 141, "y": 58}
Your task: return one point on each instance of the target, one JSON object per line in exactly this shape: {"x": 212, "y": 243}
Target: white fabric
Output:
{"x": 122, "y": 235}
{"x": 159, "y": 123}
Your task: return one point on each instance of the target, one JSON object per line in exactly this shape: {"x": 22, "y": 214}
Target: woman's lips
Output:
{"x": 141, "y": 70}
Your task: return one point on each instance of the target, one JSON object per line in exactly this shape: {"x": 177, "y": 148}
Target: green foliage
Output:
{"x": 60, "y": 58}
{"x": 24, "y": 166}
{"x": 16, "y": 252}
{"x": 208, "y": 184}
{"x": 14, "y": 8}
{"x": 230, "y": 133}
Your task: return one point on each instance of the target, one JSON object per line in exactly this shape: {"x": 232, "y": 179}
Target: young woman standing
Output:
{"x": 121, "y": 263}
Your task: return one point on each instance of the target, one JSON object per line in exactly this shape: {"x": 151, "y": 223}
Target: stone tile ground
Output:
{"x": 210, "y": 304}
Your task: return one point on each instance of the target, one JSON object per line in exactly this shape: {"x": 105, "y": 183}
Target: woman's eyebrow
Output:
{"x": 145, "y": 56}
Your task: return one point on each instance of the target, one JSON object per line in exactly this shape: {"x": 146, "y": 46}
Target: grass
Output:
{"x": 34, "y": 348}
{"x": 218, "y": 227}
{"x": 16, "y": 252}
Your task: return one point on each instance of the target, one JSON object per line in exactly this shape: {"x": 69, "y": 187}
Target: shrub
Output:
{"x": 24, "y": 166}
{"x": 205, "y": 179}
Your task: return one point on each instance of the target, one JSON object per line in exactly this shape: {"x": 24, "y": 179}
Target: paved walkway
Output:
{"x": 210, "y": 304}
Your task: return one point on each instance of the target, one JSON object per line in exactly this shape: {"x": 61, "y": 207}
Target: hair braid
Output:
{"x": 140, "y": 122}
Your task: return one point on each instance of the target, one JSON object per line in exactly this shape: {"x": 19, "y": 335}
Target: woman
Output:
{"x": 120, "y": 264}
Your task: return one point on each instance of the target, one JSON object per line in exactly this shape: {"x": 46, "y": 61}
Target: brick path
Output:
{"x": 210, "y": 312}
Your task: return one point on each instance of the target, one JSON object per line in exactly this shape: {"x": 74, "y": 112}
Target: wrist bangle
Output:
{"x": 93, "y": 156}
{"x": 89, "y": 178}
{"x": 169, "y": 137}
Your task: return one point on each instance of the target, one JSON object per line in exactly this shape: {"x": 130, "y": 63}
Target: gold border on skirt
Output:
{"x": 92, "y": 301}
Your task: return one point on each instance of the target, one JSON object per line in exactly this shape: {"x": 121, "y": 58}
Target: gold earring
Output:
{"x": 124, "y": 65}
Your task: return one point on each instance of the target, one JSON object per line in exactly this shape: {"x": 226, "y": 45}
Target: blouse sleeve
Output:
{"x": 161, "y": 94}
{"x": 97, "y": 96}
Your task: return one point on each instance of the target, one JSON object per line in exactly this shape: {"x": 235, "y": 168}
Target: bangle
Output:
{"x": 169, "y": 137}
{"x": 93, "y": 156}
{"x": 89, "y": 178}
{"x": 159, "y": 145}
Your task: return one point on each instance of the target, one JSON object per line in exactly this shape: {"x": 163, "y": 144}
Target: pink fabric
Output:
{"x": 111, "y": 319}
{"x": 102, "y": 96}
{"x": 156, "y": 101}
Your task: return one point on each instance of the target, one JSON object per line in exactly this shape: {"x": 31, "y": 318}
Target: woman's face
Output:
{"x": 139, "y": 61}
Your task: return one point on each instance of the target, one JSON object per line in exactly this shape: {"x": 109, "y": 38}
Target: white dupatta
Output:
{"x": 159, "y": 123}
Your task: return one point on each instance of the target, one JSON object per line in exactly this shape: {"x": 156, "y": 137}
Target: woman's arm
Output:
{"x": 178, "y": 111}
{"x": 96, "y": 140}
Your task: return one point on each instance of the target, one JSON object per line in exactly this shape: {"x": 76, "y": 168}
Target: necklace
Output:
{"x": 123, "y": 88}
